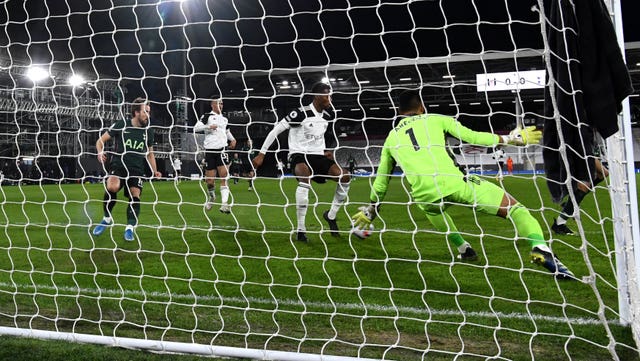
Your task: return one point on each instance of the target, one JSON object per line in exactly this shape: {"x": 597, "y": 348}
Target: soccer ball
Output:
{"x": 362, "y": 233}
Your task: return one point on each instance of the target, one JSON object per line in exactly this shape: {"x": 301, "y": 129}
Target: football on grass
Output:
{"x": 362, "y": 233}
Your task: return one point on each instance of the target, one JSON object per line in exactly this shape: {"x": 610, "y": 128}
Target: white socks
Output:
{"x": 224, "y": 194}
{"x": 302, "y": 203}
{"x": 342, "y": 189}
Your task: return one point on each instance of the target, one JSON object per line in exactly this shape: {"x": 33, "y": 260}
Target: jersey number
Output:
{"x": 414, "y": 141}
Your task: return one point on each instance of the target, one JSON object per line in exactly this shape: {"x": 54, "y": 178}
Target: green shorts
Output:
{"x": 482, "y": 195}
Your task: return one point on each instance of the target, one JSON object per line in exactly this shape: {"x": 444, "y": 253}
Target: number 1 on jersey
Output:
{"x": 414, "y": 141}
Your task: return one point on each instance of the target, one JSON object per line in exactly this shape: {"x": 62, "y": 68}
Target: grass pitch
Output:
{"x": 241, "y": 279}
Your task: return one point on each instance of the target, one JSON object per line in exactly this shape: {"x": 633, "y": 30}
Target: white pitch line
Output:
{"x": 213, "y": 227}
{"x": 331, "y": 307}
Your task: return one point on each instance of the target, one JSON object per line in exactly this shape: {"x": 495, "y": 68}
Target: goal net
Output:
{"x": 228, "y": 276}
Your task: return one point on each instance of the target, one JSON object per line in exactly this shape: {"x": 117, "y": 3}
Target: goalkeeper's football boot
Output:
{"x": 469, "y": 255}
{"x": 302, "y": 237}
{"x": 129, "y": 236}
{"x": 551, "y": 262}
{"x": 225, "y": 208}
{"x": 333, "y": 225}
{"x": 561, "y": 229}
{"x": 100, "y": 228}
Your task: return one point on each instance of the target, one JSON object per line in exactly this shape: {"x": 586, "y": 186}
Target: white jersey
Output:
{"x": 177, "y": 164}
{"x": 307, "y": 128}
{"x": 214, "y": 138}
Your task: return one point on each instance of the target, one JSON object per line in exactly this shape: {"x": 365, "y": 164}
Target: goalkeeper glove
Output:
{"x": 523, "y": 136}
{"x": 363, "y": 219}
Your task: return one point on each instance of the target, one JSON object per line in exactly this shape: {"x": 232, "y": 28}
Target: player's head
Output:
{"x": 140, "y": 110}
{"x": 410, "y": 102}
{"x": 321, "y": 95}
{"x": 216, "y": 104}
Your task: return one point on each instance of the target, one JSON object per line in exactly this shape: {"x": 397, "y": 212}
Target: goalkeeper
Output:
{"x": 417, "y": 145}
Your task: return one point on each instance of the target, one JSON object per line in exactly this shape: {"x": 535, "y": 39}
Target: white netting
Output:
{"x": 240, "y": 284}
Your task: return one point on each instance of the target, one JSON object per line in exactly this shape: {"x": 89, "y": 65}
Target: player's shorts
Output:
{"x": 483, "y": 195}
{"x": 133, "y": 179}
{"x": 318, "y": 164}
{"x": 246, "y": 168}
{"x": 215, "y": 158}
{"x": 235, "y": 168}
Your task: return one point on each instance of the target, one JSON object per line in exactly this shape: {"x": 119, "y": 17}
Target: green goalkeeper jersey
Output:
{"x": 417, "y": 144}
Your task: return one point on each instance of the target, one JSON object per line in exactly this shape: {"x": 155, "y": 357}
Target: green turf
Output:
{"x": 240, "y": 280}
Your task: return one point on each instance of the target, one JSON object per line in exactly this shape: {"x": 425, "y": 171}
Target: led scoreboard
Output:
{"x": 531, "y": 79}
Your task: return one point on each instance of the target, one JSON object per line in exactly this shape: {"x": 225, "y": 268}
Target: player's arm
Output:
{"x": 151, "y": 158}
{"x": 518, "y": 136}
{"x": 231, "y": 139}
{"x": 201, "y": 126}
{"x": 330, "y": 139}
{"x": 100, "y": 146}
{"x": 278, "y": 129}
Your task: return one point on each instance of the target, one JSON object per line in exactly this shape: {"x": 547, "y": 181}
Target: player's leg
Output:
{"x": 580, "y": 191}
{"x": 491, "y": 199}
{"x": 527, "y": 226}
{"x": 210, "y": 178}
{"x": 134, "y": 189}
{"x": 442, "y": 222}
{"x": 224, "y": 188}
{"x": 342, "y": 190}
{"x": 112, "y": 187}
{"x": 303, "y": 174}
{"x": 250, "y": 175}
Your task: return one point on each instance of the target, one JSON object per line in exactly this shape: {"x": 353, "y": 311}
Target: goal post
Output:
{"x": 627, "y": 230}
{"x": 230, "y": 278}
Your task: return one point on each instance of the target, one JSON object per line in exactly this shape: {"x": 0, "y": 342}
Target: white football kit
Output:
{"x": 214, "y": 138}
{"x": 307, "y": 128}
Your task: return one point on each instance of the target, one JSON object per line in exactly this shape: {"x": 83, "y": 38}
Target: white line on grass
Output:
{"x": 331, "y": 307}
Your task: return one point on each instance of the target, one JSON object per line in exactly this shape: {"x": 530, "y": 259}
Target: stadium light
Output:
{"x": 325, "y": 80}
{"x": 76, "y": 80}
{"x": 36, "y": 74}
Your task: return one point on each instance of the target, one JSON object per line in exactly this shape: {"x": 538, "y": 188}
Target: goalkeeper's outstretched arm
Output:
{"x": 518, "y": 136}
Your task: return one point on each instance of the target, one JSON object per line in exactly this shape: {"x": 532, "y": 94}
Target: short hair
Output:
{"x": 137, "y": 105}
{"x": 409, "y": 100}
{"x": 320, "y": 88}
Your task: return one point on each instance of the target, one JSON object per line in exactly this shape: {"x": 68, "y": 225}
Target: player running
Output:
{"x": 417, "y": 145}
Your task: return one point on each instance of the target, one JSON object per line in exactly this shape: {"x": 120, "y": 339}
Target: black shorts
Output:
{"x": 215, "y": 158}
{"x": 132, "y": 179}
{"x": 246, "y": 168}
{"x": 235, "y": 168}
{"x": 318, "y": 164}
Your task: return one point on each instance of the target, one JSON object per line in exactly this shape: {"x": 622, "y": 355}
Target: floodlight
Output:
{"x": 36, "y": 74}
{"x": 76, "y": 80}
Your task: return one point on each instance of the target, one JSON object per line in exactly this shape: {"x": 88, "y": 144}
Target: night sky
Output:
{"x": 146, "y": 44}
